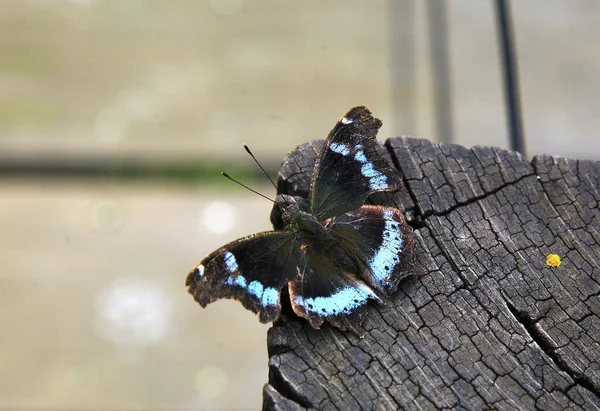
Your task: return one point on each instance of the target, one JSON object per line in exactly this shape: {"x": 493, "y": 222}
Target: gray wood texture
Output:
{"x": 489, "y": 325}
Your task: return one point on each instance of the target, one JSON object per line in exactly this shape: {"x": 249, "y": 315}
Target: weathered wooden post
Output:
{"x": 494, "y": 323}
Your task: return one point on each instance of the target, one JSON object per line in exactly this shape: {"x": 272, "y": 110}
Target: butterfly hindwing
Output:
{"x": 251, "y": 270}
{"x": 323, "y": 290}
{"x": 349, "y": 168}
{"x": 381, "y": 241}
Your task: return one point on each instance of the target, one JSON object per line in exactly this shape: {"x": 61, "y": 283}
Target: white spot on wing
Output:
{"x": 200, "y": 270}
{"x": 382, "y": 264}
{"x": 346, "y": 120}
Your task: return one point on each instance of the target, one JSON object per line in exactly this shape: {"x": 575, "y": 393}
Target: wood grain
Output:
{"x": 489, "y": 325}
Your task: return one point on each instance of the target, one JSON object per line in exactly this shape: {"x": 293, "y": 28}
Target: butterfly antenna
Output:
{"x": 261, "y": 167}
{"x": 224, "y": 174}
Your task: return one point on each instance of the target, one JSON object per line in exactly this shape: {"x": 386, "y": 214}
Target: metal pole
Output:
{"x": 438, "y": 40}
{"x": 402, "y": 70}
{"x": 510, "y": 74}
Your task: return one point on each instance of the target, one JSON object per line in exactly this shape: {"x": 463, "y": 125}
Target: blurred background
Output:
{"x": 116, "y": 117}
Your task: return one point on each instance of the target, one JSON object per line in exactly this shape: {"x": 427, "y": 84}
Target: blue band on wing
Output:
{"x": 270, "y": 296}
{"x": 256, "y": 289}
{"x": 267, "y": 295}
{"x": 230, "y": 262}
{"x": 343, "y": 301}
{"x": 386, "y": 258}
{"x": 339, "y": 148}
{"x": 238, "y": 280}
{"x": 377, "y": 180}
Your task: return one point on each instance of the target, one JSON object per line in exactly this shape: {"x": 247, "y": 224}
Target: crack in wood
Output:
{"x": 285, "y": 389}
{"x": 475, "y": 199}
{"x": 538, "y": 336}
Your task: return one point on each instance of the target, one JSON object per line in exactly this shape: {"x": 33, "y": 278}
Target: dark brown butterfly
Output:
{"x": 334, "y": 253}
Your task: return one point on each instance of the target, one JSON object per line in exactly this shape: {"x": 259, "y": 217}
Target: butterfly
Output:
{"x": 334, "y": 252}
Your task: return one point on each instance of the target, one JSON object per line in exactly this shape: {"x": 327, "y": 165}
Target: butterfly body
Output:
{"x": 299, "y": 221}
{"x": 334, "y": 253}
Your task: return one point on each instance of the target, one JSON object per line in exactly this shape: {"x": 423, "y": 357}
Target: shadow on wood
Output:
{"x": 490, "y": 325}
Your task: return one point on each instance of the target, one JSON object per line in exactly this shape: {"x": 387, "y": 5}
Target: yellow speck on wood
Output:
{"x": 553, "y": 260}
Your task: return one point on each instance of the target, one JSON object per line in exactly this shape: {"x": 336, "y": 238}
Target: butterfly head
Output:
{"x": 289, "y": 206}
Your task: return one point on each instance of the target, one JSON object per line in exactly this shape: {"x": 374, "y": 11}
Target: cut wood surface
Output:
{"x": 489, "y": 325}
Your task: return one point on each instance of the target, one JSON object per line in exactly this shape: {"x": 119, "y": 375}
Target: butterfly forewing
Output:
{"x": 251, "y": 270}
{"x": 382, "y": 242}
{"x": 349, "y": 167}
